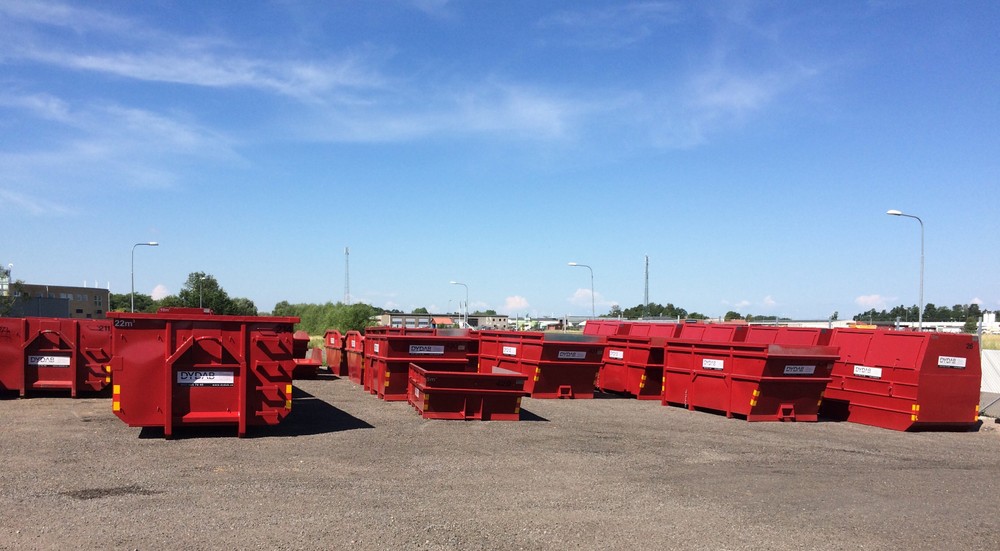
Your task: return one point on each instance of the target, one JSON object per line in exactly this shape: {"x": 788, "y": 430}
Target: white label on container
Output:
{"x": 426, "y": 350}
{"x": 49, "y": 361}
{"x": 869, "y": 372}
{"x": 712, "y": 364}
{"x": 951, "y": 361}
{"x": 510, "y": 351}
{"x": 375, "y": 347}
{"x": 333, "y": 340}
{"x": 354, "y": 343}
{"x": 205, "y": 378}
{"x": 800, "y": 369}
{"x": 572, "y": 355}
{"x": 616, "y": 354}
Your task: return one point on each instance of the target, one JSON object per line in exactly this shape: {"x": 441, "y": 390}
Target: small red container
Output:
{"x": 336, "y": 360}
{"x": 633, "y": 363}
{"x": 354, "y": 356}
{"x": 389, "y": 351}
{"x": 494, "y": 395}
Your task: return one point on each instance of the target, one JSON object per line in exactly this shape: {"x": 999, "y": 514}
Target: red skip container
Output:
{"x": 389, "y": 351}
{"x": 489, "y": 396}
{"x": 336, "y": 360}
{"x": 633, "y": 362}
{"x": 557, "y": 365}
{"x": 905, "y": 380}
{"x": 183, "y": 367}
{"x": 354, "y": 356}
{"x": 54, "y": 354}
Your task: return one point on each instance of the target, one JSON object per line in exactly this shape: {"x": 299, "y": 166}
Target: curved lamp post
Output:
{"x": 149, "y": 244}
{"x": 593, "y": 312}
{"x": 466, "y": 300}
{"x": 920, "y": 313}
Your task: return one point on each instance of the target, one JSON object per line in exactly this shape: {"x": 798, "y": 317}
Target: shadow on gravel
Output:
{"x": 309, "y": 416}
{"x": 528, "y": 416}
{"x": 607, "y": 395}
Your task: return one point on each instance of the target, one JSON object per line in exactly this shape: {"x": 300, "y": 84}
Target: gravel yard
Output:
{"x": 346, "y": 470}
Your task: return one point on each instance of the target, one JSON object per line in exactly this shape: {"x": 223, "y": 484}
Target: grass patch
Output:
{"x": 990, "y": 342}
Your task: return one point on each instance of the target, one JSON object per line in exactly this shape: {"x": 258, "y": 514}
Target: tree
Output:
{"x": 731, "y": 315}
{"x": 122, "y": 302}
{"x": 616, "y": 312}
{"x": 420, "y": 310}
{"x": 490, "y": 312}
{"x": 8, "y": 301}
{"x": 835, "y": 316}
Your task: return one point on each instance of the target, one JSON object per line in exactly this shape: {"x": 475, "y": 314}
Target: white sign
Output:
{"x": 426, "y": 350}
{"x": 354, "y": 343}
{"x": 510, "y": 351}
{"x": 800, "y": 369}
{"x": 333, "y": 340}
{"x": 572, "y": 354}
{"x": 951, "y": 361}
{"x": 49, "y": 361}
{"x": 375, "y": 347}
{"x": 616, "y": 354}
{"x": 205, "y": 378}
{"x": 707, "y": 363}
{"x": 869, "y": 372}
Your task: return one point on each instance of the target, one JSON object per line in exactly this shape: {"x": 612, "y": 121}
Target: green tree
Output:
{"x": 8, "y": 301}
{"x": 122, "y": 302}
{"x": 615, "y": 312}
{"x": 420, "y": 310}
{"x": 731, "y": 315}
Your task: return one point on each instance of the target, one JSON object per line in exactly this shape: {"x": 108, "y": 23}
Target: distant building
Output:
{"x": 412, "y": 321}
{"x": 60, "y": 301}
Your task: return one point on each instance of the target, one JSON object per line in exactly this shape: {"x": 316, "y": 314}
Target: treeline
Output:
{"x": 317, "y": 318}
{"x": 652, "y": 310}
{"x": 958, "y": 312}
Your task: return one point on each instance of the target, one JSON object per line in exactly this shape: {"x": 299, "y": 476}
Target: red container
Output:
{"x": 905, "y": 380}
{"x": 54, "y": 354}
{"x": 354, "y": 356}
{"x": 336, "y": 360}
{"x": 307, "y": 361}
{"x": 389, "y": 351}
{"x": 633, "y": 363}
{"x": 557, "y": 365}
{"x": 761, "y": 380}
{"x": 184, "y": 367}
{"x": 605, "y": 327}
{"x": 493, "y": 395}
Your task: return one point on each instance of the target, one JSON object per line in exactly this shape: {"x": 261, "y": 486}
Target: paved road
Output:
{"x": 349, "y": 471}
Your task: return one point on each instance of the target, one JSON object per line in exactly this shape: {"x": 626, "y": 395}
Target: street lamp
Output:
{"x": 920, "y": 313}
{"x": 149, "y": 244}
{"x": 200, "y": 304}
{"x": 593, "y": 311}
{"x": 466, "y": 301}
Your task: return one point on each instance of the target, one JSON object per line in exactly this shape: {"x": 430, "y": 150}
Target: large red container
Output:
{"x": 633, "y": 362}
{"x": 336, "y": 360}
{"x": 389, "y": 351}
{"x": 54, "y": 354}
{"x": 756, "y": 375}
{"x": 354, "y": 356}
{"x": 493, "y": 395}
{"x": 184, "y": 367}
{"x": 558, "y": 365}
{"x": 905, "y": 380}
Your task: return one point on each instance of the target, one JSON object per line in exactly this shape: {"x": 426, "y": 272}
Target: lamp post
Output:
{"x": 200, "y": 302}
{"x": 593, "y": 311}
{"x": 466, "y": 301}
{"x": 149, "y": 244}
{"x": 10, "y": 279}
{"x": 920, "y": 312}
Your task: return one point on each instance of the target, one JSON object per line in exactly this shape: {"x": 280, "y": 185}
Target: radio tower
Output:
{"x": 645, "y": 299}
{"x": 347, "y": 276}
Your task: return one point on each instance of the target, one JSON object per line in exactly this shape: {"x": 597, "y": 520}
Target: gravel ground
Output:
{"x": 347, "y": 470}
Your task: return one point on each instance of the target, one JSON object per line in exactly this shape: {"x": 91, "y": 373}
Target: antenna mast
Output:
{"x": 645, "y": 300}
{"x": 347, "y": 276}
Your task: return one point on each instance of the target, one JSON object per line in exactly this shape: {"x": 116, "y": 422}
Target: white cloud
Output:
{"x": 515, "y": 303}
{"x": 742, "y": 304}
{"x": 876, "y": 301}
{"x": 976, "y": 300}
{"x": 33, "y": 205}
{"x": 160, "y": 291}
{"x": 768, "y": 302}
{"x": 616, "y": 26}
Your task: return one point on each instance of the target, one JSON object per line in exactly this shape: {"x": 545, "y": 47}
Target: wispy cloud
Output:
{"x": 515, "y": 303}
{"x": 612, "y": 27}
{"x": 34, "y": 205}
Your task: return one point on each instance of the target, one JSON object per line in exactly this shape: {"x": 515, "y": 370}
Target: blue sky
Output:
{"x": 750, "y": 149}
